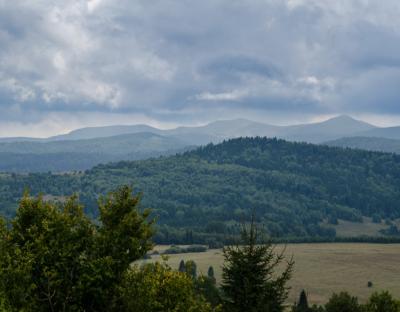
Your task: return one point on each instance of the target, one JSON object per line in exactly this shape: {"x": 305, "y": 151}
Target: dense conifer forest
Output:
{"x": 202, "y": 195}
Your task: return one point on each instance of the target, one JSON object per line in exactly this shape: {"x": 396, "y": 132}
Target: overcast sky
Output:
{"x": 73, "y": 63}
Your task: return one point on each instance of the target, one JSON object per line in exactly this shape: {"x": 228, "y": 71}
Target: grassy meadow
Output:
{"x": 357, "y": 229}
{"x": 324, "y": 268}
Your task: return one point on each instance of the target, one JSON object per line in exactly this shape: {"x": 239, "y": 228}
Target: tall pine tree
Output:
{"x": 302, "y": 305}
{"x": 249, "y": 279}
{"x": 182, "y": 267}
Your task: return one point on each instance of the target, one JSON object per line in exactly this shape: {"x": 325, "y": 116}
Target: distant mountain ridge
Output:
{"x": 70, "y": 155}
{"x": 368, "y": 143}
{"x": 217, "y": 131}
{"x": 86, "y": 147}
{"x": 326, "y": 130}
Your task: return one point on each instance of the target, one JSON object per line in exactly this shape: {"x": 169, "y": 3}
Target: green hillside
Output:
{"x": 370, "y": 144}
{"x": 204, "y": 194}
{"x": 69, "y": 155}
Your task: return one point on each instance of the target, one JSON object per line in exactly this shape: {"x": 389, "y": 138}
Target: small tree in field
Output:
{"x": 249, "y": 279}
{"x": 211, "y": 275}
{"x": 191, "y": 268}
{"x": 302, "y": 305}
{"x": 182, "y": 267}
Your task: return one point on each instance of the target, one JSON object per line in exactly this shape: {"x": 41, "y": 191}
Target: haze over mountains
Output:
{"x": 83, "y": 148}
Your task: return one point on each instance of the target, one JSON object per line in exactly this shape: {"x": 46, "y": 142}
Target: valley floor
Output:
{"x": 324, "y": 268}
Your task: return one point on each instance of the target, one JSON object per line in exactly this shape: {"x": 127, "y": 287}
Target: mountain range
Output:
{"x": 83, "y": 148}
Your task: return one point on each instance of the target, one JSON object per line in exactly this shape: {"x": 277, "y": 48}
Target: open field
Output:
{"x": 356, "y": 229}
{"x": 325, "y": 268}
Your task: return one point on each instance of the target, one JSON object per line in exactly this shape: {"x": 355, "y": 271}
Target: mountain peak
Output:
{"x": 344, "y": 118}
{"x": 348, "y": 120}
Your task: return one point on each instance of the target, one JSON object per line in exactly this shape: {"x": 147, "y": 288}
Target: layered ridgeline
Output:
{"x": 83, "y": 148}
{"x": 295, "y": 189}
{"x": 81, "y": 154}
{"x": 368, "y": 143}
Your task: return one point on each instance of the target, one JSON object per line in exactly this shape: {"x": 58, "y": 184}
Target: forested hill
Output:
{"x": 292, "y": 187}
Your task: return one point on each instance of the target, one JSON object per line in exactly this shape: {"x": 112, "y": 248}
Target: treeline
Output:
{"x": 167, "y": 235}
{"x": 54, "y": 258}
{"x": 344, "y": 302}
{"x": 296, "y": 189}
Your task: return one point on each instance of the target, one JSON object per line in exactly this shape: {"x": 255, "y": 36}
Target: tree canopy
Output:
{"x": 250, "y": 281}
{"x": 54, "y": 258}
{"x": 201, "y": 196}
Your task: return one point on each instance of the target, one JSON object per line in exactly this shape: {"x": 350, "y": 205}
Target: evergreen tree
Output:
{"x": 249, "y": 279}
{"x": 210, "y": 274}
{"x": 206, "y": 287}
{"x": 191, "y": 268}
{"x": 182, "y": 267}
{"x": 302, "y": 305}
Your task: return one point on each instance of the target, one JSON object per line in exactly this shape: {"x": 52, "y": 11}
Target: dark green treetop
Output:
{"x": 249, "y": 279}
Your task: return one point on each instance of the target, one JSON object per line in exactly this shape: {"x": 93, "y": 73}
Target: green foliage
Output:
{"x": 204, "y": 285}
{"x": 302, "y": 305}
{"x": 202, "y": 195}
{"x": 73, "y": 155}
{"x": 380, "y": 144}
{"x": 343, "y": 302}
{"x": 54, "y": 258}
{"x": 207, "y": 287}
{"x": 182, "y": 267}
{"x": 191, "y": 268}
{"x": 210, "y": 272}
{"x": 156, "y": 288}
{"x": 178, "y": 250}
{"x": 249, "y": 278}
{"x": 382, "y": 302}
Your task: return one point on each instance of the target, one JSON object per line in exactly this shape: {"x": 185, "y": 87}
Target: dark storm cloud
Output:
{"x": 185, "y": 60}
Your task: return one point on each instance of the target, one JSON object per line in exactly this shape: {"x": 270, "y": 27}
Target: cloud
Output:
{"x": 92, "y": 5}
{"x": 225, "y": 96}
{"x": 188, "y": 62}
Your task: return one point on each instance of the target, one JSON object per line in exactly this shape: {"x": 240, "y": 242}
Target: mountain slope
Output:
{"x": 224, "y": 129}
{"x": 330, "y": 129}
{"x": 387, "y": 133}
{"x": 104, "y": 144}
{"x": 366, "y": 143}
{"x": 83, "y": 154}
{"x": 292, "y": 187}
{"x": 104, "y": 132}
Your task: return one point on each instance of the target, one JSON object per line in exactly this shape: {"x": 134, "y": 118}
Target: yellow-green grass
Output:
{"x": 355, "y": 229}
{"x": 322, "y": 269}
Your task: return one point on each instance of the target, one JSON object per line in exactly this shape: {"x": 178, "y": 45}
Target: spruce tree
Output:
{"x": 211, "y": 275}
{"x": 249, "y": 279}
{"x": 302, "y": 305}
{"x": 182, "y": 267}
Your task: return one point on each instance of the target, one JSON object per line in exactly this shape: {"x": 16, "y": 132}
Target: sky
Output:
{"x": 66, "y": 64}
